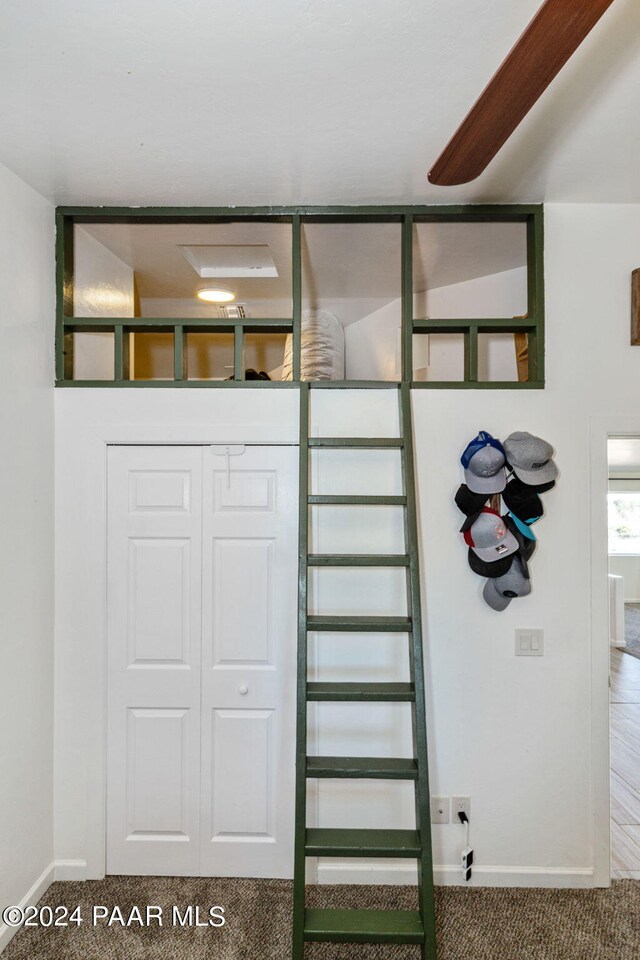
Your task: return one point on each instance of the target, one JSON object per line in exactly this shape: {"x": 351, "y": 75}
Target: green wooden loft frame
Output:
{"x": 532, "y": 324}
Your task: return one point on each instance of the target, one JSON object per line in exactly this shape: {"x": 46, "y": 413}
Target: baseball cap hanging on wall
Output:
{"x": 489, "y": 568}
{"x": 530, "y": 458}
{"x": 500, "y": 547}
{"x": 525, "y": 506}
{"x": 499, "y": 592}
{"x": 468, "y": 501}
{"x": 484, "y": 464}
{"x": 526, "y": 542}
{"x": 487, "y": 535}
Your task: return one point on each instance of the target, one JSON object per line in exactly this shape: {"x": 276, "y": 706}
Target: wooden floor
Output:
{"x": 625, "y": 766}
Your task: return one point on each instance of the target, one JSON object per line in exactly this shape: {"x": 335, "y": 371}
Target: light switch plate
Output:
{"x": 440, "y": 807}
{"x": 529, "y": 643}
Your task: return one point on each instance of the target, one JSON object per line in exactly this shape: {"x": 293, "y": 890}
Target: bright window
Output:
{"x": 624, "y": 523}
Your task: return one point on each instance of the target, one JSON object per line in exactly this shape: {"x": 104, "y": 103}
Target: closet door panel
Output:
{"x": 243, "y": 794}
{"x": 159, "y": 609}
{"x": 157, "y": 759}
{"x": 249, "y": 656}
{"x": 243, "y": 629}
{"x": 154, "y": 600}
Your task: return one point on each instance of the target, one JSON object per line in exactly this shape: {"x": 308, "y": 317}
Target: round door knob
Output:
{"x": 243, "y": 691}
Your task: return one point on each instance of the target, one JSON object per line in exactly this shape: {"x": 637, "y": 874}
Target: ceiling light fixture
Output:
{"x": 216, "y": 295}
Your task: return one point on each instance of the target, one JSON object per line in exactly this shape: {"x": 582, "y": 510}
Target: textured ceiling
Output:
{"x": 293, "y": 101}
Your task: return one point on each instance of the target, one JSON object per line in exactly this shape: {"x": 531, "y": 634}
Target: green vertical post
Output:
{"x": 416, "y": 662}
{"x": 535, "y": 292}
{"x": 64, "y": 296}
{"x": 471, "y": 354}
{"x": 296, "y": 293}
{"x": 407, "y": 298}
{"x": 301, "y": 719}
{"x": 238, "y": 352}
{"x": 179, "y": 353}
{"x": 121, "y": 353}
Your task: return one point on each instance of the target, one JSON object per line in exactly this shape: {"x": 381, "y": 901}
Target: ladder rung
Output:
{"x": 365, "y": 692}
{"x": 363, "y": 768}
{"x": 362, "y": 443}
{"x": 353, "y": 501}
{"x": 347, "y": 624}
{"x": 362, "y": 843}
{"x": 363, "y": 926}
{"x": 358, "y": 560}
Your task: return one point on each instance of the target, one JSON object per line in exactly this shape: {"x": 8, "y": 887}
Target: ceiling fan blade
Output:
{"x": 556, "y": 31}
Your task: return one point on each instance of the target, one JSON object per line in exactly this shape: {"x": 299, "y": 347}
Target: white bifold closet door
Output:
{"x": 201, "y": 638}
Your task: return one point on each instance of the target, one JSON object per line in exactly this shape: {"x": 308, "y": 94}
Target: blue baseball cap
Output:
{"x": 484, "y": 465}
{"x": 524, "y": 526}
{"x": 483, "y": 439}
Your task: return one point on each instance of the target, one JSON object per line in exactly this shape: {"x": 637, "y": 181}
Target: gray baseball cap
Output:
{"x": 488, "y": 535}
{"x": 530, "y": 457}
{"x": 486, "y": 472}
{"x": 499, "y": 592}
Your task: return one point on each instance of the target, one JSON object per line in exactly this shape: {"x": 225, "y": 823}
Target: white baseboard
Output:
{"x": 552, "y": 877}
{"x": 346, "y": 872}
{"x": 58, "y": 870}
{"x": 71, "y": 869}
{"x": 35, "y": 893}
{"x": 627, "y": 600}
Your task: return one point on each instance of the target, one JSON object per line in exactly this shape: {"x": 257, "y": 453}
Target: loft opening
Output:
{"x": 434, "y": 296}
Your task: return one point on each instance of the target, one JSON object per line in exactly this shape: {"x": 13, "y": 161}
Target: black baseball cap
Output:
{"x": 469, "y": 502}
{"x": 526, "y": 546}
{"x": 489, "y": 568}
{"x": 523, "y": 500}
{"x": 539, "y": 487}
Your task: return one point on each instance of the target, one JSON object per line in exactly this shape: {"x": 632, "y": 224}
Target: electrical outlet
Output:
{"x": 440, "y": 809}
{"x": 529, "y": 643}
{"x": 460, "y": 805}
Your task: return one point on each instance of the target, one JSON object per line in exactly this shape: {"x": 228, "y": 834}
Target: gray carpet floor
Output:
{"x": 632, "y": 629}
{"x": 473, "y": 923}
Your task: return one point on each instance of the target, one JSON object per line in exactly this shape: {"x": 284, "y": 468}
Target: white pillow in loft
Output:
{"x": 322, "y": 348}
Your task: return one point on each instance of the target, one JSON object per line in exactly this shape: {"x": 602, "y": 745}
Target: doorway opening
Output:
{"x": 624, "y": 632}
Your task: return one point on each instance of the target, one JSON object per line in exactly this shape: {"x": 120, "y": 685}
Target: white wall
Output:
{"x": 82, "y": 417}
{"x": 27, "y": 314}
{"x": 513, "y": 733}
{"x": 103, "y": 287}
{"x": 501, "y": 294}
{"x": 373, "y": 343}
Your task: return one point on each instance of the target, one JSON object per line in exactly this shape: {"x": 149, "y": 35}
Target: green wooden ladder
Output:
{"x": 363, "y": 926}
